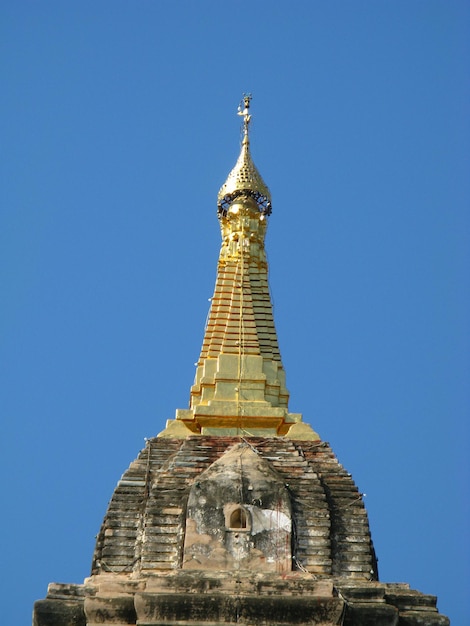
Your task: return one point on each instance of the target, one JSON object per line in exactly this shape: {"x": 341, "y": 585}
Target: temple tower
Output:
{"x": 237, "y": 513}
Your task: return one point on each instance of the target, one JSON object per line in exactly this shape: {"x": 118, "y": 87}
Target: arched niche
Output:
{"x": 237, "y": 518}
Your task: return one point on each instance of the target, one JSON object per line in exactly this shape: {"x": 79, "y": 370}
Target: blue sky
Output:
{"x": 118, "y": 127}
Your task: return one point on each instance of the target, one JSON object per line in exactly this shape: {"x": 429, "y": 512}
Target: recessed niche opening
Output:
{"x": 237, "y": 519}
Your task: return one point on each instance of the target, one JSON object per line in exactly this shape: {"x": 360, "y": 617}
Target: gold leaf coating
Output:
{"x": 244, "y": 176}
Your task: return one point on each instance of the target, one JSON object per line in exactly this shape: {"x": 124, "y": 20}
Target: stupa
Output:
{"x": 238, "y": 512}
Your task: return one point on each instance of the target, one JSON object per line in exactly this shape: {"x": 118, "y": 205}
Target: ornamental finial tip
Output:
{"x": 244, "y": 110}
{"x": 244, "y": 179}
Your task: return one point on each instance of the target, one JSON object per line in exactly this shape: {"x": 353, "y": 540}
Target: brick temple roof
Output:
{"x": 144, "y": 527}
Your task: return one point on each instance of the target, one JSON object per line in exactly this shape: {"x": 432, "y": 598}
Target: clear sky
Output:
{"x": 118, "y": 127}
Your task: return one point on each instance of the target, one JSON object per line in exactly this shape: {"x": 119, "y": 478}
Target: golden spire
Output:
{"x": 239, "y": 386}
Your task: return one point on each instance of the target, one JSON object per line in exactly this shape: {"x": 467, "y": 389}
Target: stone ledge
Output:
{"x": 192, "y": 609}
{"x": 196, "y": 598}
{"x": 56, "y": 612}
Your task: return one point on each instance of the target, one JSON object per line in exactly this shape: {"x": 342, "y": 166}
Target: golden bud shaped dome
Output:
{"x": 244, "y": 179}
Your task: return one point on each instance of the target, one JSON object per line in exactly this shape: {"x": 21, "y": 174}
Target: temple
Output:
{"x": 237, "y": 512}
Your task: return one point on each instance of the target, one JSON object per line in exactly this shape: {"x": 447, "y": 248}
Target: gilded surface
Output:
{"x": 244, "y": 175}
{"x": 240, "y": 385}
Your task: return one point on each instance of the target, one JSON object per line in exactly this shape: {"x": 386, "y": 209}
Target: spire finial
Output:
{"x": 244, "y": 110}
{"x": 244, "y": 179}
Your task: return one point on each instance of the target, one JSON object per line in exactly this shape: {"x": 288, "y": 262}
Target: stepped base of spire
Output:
{"x": 247, "y": 419}
{"x": 240, "y": 379}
